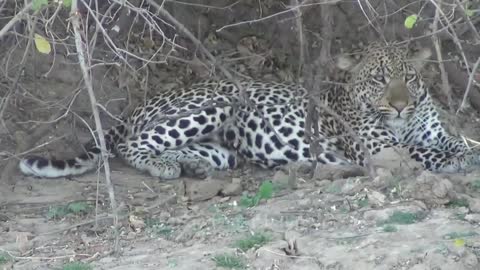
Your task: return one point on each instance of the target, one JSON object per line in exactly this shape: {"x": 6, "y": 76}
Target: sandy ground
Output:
{"x": 400, "y": 220}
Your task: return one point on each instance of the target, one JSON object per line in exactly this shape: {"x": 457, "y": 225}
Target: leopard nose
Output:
{"x": 399, "y": 106}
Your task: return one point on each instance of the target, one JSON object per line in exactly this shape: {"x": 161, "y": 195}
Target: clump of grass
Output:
{"x": 4, "y": 258}
{"x": 157, "y": 228}
{"x": 255, "y": 240}
{"x": 389, "y": 228}
{"x": 76, "y": 266}
{"x": 462, "y": 202}
{"x": 334, "y": 189}
{"x": 265, "y": 191}
{"x": 162, "y": 230}
{"x": 456, "y": 235}
{"x": 402, "y": 218}
{"x": 229, "y": 261}
{"x": 460, "y": 216}
{"x": 75, "y": 208}
{"x": 476, "y": 185}
{"x": 363, "y": 202}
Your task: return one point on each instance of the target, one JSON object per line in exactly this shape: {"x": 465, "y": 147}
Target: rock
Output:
{"x": 304, "y": 203}
{"x": 376, "y": 197}
{"x": 431, "y": 189}
{"x": 197, "y": 191}
{"x": 131, "y": 235}
{"x": 332, "y": 172}
{"x": 474, "y": 218}
{"x": 323, "y": 183}
{"x": 234, "y": 188}
{"x": 136, "y": 223}
{"x": 352, "y": 186}
{"x": 280, "y": 178}
{"x": 419, "y": 267}
{"x": 383, "y": 173}
{"x": 23, "y": 241}
{"x": 474, "y": 205}
{"x": 470, "y": 261}
{"x": 383, "y": 214}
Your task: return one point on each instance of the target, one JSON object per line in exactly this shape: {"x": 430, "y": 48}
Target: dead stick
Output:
{"x": 471, "y": 78}
{"x": 15, "y": 19}
{"x": 438, "y": 49}
{"x": 75, "y": 19}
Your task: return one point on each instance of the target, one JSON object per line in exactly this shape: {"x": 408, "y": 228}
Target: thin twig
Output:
{"x": 438, "y": 49}
{"x": 469, "y": 22}
{"x": 325, "y": 2}
{"x": 471, "y": 78}
{"x": 15, "y": 19}
{"x": 75, "y": 19}
{"x": 301, "y": 38}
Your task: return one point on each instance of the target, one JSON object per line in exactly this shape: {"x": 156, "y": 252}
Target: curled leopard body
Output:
{"x": 206, "y": 126}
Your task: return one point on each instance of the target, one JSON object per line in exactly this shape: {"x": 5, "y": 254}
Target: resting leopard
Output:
{"x": 386, "y": 103}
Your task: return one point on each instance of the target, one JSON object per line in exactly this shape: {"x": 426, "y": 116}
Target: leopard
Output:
{"x": 219, "y": 124}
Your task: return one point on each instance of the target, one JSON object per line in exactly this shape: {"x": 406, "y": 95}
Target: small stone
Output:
{"x": 442, "y": 188}
{"x": 280, "y": 178}
{"x": 204, "y": 190}
{"x": 232, "y": 189}
{"x": 474, "y": 205}
{"x": 23, "y": 241}
{"x": 474, "y": 218}
{"x": 236, "y": 180}
{"x": 384, "y": 173}
{"x": 376, "y": 197}
{"x": 470, "y": 261}
{"x": 136, "y": 223}
{"x": 334, "y": 172}
{"x": 323, "y": 183}
{"x": 131, "y": 235}
{"x": 431, "y": 189}
{"x": 164, "y": 215}
{"x": 304, "y": 202}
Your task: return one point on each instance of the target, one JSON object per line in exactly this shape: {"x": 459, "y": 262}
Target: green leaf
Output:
{"x": 38, "y": 4}
{"x": 42, "y": 44}
{"x": 459, "y": 242}
{"x": 469, "y": 12}
{"x": 67, "y": 3}
{"x": 266, "y": 190}
{"x": 410, "y": 21}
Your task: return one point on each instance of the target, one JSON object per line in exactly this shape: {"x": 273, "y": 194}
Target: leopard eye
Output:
{"x": 409, "y": 77}
{"x": 379, "y": 78}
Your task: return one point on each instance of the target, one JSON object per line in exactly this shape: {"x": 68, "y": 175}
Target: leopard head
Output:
{"x": 386, "y": 80}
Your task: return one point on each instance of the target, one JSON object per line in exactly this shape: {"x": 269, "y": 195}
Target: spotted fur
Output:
{"x": 386, "y": 102}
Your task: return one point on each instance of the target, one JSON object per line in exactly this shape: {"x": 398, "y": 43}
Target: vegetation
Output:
{"x": 255, "y": 240}
{"x": 75, "y": 208}
{"x": 76, "y": 266}
{"x": 265, "y": 191}
{"x": 229, "y": 261}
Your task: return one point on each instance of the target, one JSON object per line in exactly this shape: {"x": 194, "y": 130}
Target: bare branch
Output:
{"x": 471, "y": 79}
{"x": 15, "y": 19}
{"x": 75, "y": 19}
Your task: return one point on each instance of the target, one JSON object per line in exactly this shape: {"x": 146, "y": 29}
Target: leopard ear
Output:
{"x": 418, "y": 58}
{"x": 345, "y": 62}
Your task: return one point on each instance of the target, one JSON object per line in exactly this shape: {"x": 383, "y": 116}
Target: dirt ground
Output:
{"x": 251, "y": 218}
{"x": 400, "y": 220}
